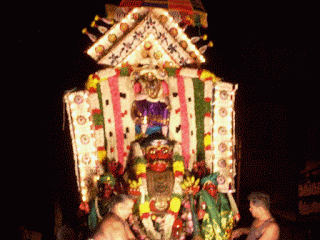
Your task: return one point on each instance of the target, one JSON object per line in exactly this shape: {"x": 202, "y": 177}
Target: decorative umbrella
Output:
{"x": 191, "y": 11}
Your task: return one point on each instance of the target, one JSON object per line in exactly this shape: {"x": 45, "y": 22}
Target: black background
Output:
{"x": 269, "y": 48}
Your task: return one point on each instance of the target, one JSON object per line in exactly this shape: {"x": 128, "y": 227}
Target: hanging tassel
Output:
{"x": 105, "y": 20}
{"x": 101, "y": 29}
{"x": 204, "y": 48}
{"x": 197, "y": 38}
{"x": 91, "y": 36}
{"x": 108, "y": 21}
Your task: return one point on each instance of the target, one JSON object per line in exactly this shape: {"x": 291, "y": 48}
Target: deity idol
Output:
{"x": 151, "y": 107}
{"x": 160, "y": 172}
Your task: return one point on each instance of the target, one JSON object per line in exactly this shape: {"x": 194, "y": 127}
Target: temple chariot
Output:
{"x": 153, "y": 124}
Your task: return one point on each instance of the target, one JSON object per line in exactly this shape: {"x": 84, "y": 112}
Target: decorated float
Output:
{"x": 153, "y": 124}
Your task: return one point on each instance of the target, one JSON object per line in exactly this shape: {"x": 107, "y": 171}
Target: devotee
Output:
{"x": 264, "y": 227}
{"x": 115, "y": 226}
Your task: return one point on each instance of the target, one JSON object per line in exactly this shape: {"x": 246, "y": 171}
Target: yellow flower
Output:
{"x": 141, "y": 168}
{"x": 175, "y": 204}
{"x": 135, "y": 184}
{"x": 207, "y": 140}
{"x": 92, "y": 82}
{"x": 84, "y": 30}
{"x": 215, "y": 79}
{"x": 205, "y": 75}
{"x": 206, "y": 216}
{"x": 102, "y": 154}
{"x": 178, "y": 166}
{"x": 144, "y": 207}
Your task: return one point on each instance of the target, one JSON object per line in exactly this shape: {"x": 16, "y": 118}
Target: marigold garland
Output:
{"x": 178, "y": 165}
{"x": 141, "y": 169}
{"x": 207, "y": 140}
{"x": 144, "y": 209}
{"x": 178, "y": 168}
{"x": 102, "y": 154}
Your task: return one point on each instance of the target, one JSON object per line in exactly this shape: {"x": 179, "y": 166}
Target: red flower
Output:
{"x": 101, "y": 148}
{"x": 145, "y": 215}
{"x": 96, "y": 127}
{"x": 201, "y": 213}
{"x": 84, "y": 206}
{"x": 96, "y": 111}
{"x": 178, "y": 173}
{"x": 173, "y": 213}
{"x": 134, "y": 192}
{"x": 207, "y": 148}
{"x": 208, "y": 114}
{"x": 143, "y": 175}
{"x": 92, "y": 90}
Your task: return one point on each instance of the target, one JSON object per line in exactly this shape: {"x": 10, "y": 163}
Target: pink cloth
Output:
{"x": 115, "y": 96}
{"x": 165, "y": 88}
{"x": 185, "y": 128}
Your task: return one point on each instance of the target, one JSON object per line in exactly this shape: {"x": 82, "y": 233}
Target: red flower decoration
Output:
{"x": 84, "y": 206}
{"x": 96, "y": 111}
{"x": 178, "y": 173}
{"x": 92, "y": 90}
{"x": 145, "y": 215}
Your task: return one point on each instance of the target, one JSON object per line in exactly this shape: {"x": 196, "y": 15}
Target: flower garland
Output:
{"x": 92, "y": 83}
{"x": 141, "y": 167}
{"x": 178, "y": 165}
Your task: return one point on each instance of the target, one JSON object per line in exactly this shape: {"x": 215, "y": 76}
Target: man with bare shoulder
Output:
{"x": 264, "y": 227}
{"x": 115, "y": 225}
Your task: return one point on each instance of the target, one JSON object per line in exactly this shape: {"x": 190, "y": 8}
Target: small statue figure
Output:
{"x": 215, "y": 210}
{"x": 98, "y": 205}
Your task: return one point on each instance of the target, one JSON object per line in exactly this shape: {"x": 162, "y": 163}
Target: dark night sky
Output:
{"x": 265, "y": 47}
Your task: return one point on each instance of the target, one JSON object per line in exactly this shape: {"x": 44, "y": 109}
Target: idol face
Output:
{"x": 158, "y": 155}
{"x": 211, "y": 189}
